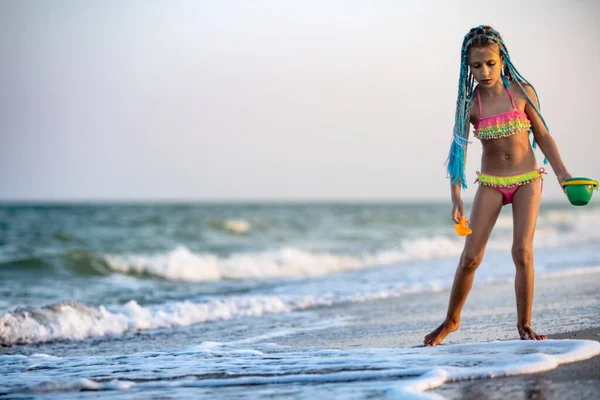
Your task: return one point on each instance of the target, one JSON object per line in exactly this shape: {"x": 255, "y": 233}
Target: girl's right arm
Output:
{"x": 458, "y": 207}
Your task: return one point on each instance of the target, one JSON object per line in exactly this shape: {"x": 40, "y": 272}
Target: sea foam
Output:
{"x": 398, "y": 372}
{"x": 75, "y": 321}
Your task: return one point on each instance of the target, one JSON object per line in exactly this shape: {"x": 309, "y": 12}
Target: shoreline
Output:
{"x": 489, "y": 315}
{"x": 576, "y": 380}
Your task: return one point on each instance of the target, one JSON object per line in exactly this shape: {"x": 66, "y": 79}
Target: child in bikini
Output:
{"x": 503, "y": 109}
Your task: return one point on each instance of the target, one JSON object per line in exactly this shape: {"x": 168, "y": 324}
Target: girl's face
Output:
{"x": 486, "y": 65}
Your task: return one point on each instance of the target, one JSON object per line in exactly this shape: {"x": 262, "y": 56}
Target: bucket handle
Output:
{"x": 581, "y": 182}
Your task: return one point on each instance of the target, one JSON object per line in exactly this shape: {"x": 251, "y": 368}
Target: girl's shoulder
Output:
{"x": 521, "y": 92}
{"x": 520, "y": 88}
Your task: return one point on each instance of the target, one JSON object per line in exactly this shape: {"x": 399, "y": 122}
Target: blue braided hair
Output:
{"x": 480, "y": 36}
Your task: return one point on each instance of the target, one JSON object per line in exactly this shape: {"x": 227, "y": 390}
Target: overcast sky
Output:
{"x": 290, "y": 100}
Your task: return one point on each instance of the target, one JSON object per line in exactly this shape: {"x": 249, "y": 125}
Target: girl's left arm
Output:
{"x": 544, "y": 139}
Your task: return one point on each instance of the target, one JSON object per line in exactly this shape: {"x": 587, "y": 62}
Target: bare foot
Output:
{"x": 436, "y": 337}
{"x": 527, "y": 333}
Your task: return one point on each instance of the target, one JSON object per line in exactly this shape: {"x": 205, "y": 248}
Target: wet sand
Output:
{"x": 579, "y": 380}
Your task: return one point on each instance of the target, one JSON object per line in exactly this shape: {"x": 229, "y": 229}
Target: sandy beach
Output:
{"x": 489, "y": 315}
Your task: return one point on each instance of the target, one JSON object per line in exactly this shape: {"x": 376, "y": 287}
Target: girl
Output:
{"x": 503, "y": 107}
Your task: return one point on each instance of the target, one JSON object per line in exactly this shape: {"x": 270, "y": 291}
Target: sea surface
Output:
{"x": 262, "y": 300}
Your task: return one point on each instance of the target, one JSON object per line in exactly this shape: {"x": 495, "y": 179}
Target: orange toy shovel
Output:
{"x": 462, "y": 229}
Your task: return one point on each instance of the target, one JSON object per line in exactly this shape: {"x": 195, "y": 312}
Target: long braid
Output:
{"x": 455, "y": 162}
{"x": 480, "y": 36}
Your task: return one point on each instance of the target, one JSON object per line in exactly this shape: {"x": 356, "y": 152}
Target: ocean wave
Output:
{"x": 556, "y": 229}
{"x": 24, "y": 263}
{"x": 288, "y": 262}
{"x": 77, "y": 262}
{"x": 235, "y": 226}
{"x": 562, "y": 227}
{"x": 68, "y": 320}
{"x": 571, "y": 272}
{"x": 76, "y": 321}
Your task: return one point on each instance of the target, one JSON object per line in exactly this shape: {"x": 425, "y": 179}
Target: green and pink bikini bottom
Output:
{"x": 508, "y": 185}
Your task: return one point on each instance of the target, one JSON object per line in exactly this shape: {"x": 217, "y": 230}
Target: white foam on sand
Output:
{"x": 399, "y": 372}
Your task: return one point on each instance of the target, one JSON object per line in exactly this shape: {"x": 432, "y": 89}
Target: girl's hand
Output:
{"x": 563, "y": 177}
{"x": 458, "y": 210}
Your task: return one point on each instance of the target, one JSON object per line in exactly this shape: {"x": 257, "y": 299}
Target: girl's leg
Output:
{"x": 486, "y": 207}
{"x": 526, "y": 204}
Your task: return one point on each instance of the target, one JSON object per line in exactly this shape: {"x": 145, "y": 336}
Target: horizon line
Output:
{"x": 308, "y": 200}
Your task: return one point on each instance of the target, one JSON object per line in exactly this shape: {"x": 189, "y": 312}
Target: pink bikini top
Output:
{"x": 501, "y": 125}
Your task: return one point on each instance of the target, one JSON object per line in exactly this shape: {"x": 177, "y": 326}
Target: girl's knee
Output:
{"x": 522, "y": 255}
{"x": 470, "y": 261}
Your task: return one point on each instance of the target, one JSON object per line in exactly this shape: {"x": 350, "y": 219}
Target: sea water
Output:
{"x": 281, "y": 300}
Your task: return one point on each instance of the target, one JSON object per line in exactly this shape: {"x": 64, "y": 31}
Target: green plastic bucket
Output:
{"x": 579, "y": 190}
